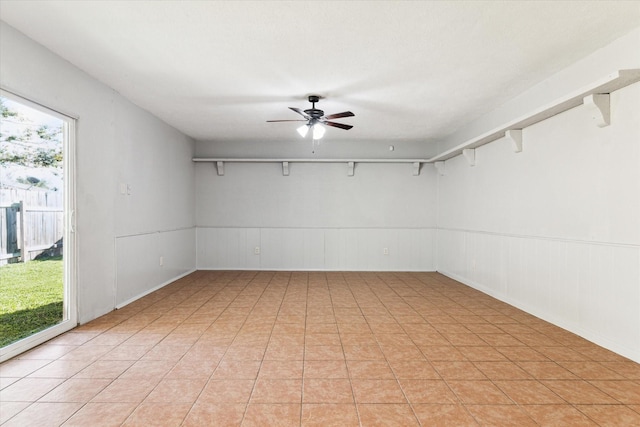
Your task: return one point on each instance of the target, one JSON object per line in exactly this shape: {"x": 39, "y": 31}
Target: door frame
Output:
{"x": 70, "y": 298}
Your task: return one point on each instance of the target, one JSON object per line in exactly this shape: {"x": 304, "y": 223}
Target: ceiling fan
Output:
{"x": 315, "y": 118}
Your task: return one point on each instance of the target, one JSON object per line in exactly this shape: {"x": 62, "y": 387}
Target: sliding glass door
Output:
{"x": 37, "y": 236}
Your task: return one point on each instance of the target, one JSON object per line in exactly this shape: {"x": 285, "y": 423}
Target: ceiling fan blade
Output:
{"x": 337, "y": 125}
{"x": 299, "y": 111}
{"x": 339, "y": 115}
{"x": 297, "y": 120}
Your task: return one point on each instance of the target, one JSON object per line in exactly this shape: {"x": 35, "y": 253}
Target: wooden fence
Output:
{"x": 31, "y": 224}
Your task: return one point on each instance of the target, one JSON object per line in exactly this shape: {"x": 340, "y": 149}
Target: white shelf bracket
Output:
{"x": 351, "y": 166}
{"x": 470, "y": 154}
{"x": 440, "y": 167}
{"x": 285, "y": 168}
{"x": 416, "y": 168}
{"x": 600, "y": 108}
{"x": 220, "y": 167}
{"x": 515, "y": 136}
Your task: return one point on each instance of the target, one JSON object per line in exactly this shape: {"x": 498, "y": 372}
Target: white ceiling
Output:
{"x": 410, "y": 71}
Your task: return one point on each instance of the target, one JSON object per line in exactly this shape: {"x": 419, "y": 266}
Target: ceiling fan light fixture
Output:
{"x": 316, "y": 118}
{"x": 318, "y": 131}
{"x": 302, "y": 130}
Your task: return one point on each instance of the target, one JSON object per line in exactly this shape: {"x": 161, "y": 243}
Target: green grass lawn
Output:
{"x": 31, "y": 297}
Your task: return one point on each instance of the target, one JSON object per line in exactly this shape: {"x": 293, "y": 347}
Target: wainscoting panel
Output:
{"x": 589, "y": 288}
{"x": 353, "y": 249}
{"x": 146, "y": 262}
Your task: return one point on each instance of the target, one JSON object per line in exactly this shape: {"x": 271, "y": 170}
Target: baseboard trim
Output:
{"x": 160, "y": 286}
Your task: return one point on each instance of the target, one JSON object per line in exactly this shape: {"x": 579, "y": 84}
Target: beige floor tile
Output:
{"x": 464, "y": 339}
{"x": 281, "y": 369}
{"x": 192, "y": 369}
{"x": 458, "y": 370}
{"x": 401, "y": 352}
{"x": 360, "y": 338}
{"x": 325, "y": 369}
{"x": 502, "y": 370}
{"x": 167, "y": 352}
{"x": 109, "y": 338}
{"x": 101, "y": 415}
{"x": 334, "y": 390}
{"x": 286, "y": 351}
{"x": 444, "y": 415}
{"x": 529, "y": 392}
{"x": 501, "y": 415}
{"x": 76, "y": 390}
{"x": 329, "y": 415}
{"x": 479, "y": 393}
{"x": 126, "y": 352}
{"x": 88, "y": 352}
{"x": 143, "y": 339}
{"x": 29, "y": 389}
{"x": 226, "y": 391}
{"x": 105, "y": 369}
{"x": 482, "y": 354}
{"x": 350, "y": 325}
{"x": 158, "y": 414}
{"x": 630, "y": 370}
{"x": 272, "y": 415}
{"x": 370, "y": 369}
{"x": 222, "y": 415}
{"x": 9, "y": 409}
{"x": 579, "y": 392}
{"x": 323, "y": 352}
{"x": 282, "y": 348}
{"x": 126, "y": 391}
{"x": 61, "y": 369}
{"x": 245, "y": 352}
{"x": 363, "y": 352}
{"x": 428, "y": 391}
{"x": 547, "y": 371}
{"x": 322, "y": 339}
{"x": 243, "y": 369}
{"x": 176, "y": 391}
{"x": 611, "y": 415}
{"x": 74, "y": 338}
{"x": 447, "y": 353}
{"x": 43, "y": 414}
{"x": 627, "y": 392}
{"x": 277, "y": 391}
{"x": 588, "y": 370}
{"x": 414, "y": 369}
{"x": 558, "y": 415}
{"x": 21, "y": 368}
{"x": 377, "y": 391}
{"x": 45, "y": 352}
{"x": 387, "y": 415}
{"x": 148, "y": 370}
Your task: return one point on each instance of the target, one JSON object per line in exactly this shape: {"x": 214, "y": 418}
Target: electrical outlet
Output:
{"x": 256, "y": 250}
{"x": 385, "y": 251}
{"x": 161, "y": 261}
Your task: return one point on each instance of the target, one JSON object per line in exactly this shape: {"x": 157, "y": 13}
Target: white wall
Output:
{"x": 117, "y": 142}
{"x": 316, "y": 218}
{"x": 554, "y": 229}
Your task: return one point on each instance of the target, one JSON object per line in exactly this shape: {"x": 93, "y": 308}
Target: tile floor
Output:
{"x": 319, "y": 349}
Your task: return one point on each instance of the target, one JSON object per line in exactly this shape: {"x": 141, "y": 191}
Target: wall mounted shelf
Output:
{"x": 594, "y": 96}
{"x": 220, "y": 161}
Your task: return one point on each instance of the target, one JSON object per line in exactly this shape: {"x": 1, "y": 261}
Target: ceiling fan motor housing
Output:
{"x": 313, "y": 112}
